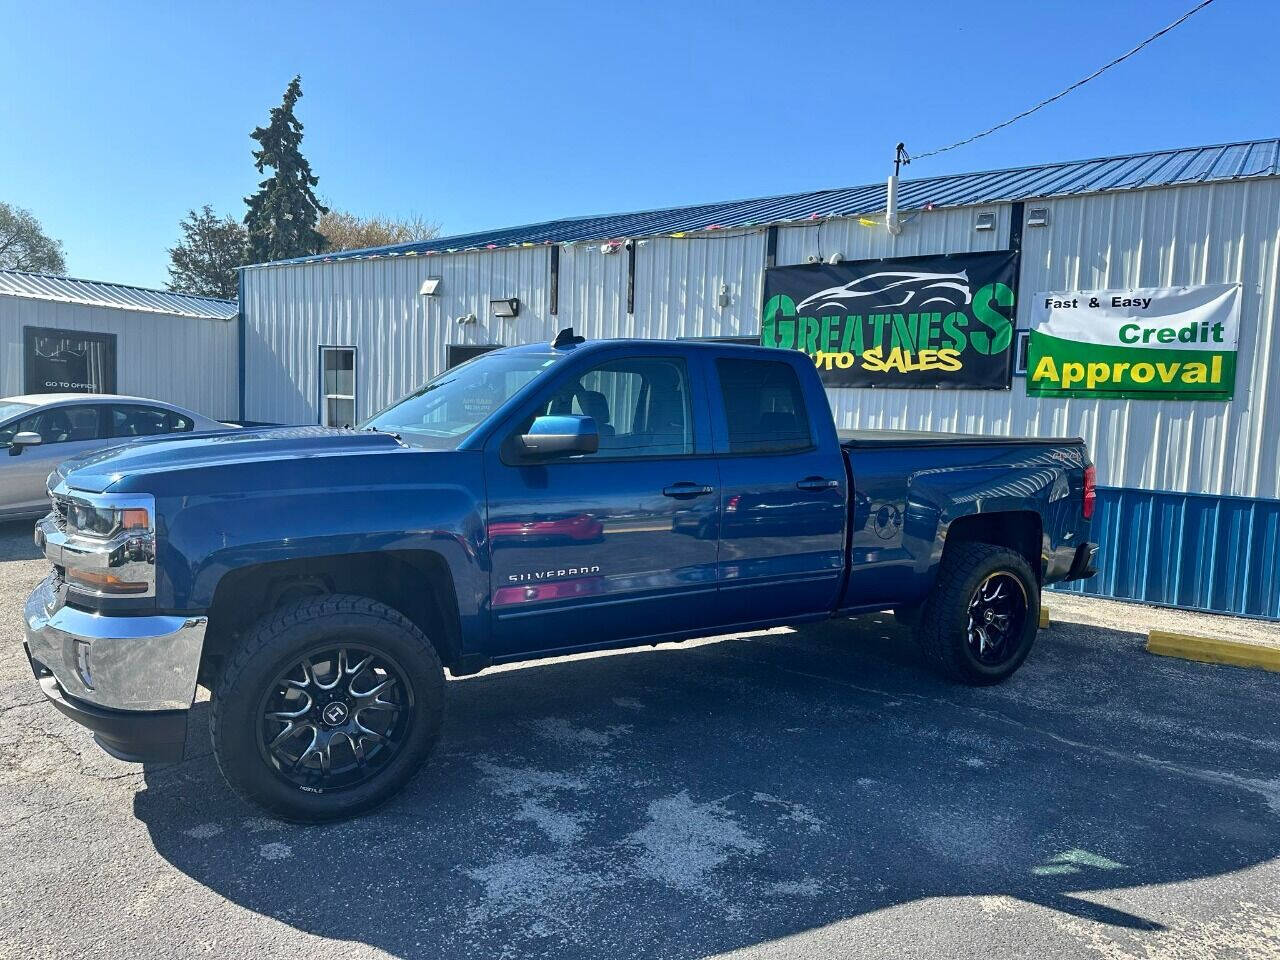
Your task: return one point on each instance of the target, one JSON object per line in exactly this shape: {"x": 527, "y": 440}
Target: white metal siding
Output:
{"x": 593, "y": 291}
{"x": 931, "y": 232}
{"x": 183, "y": 360}
{"x": 678, "y": 284}
{"x": 1216, "y": 233}
{"x": 374, "y": 305}
{"x": 1209, "y": 233}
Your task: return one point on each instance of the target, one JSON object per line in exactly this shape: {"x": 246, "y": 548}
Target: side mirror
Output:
{"x": 27, "y": 438}
{"x": 561, "y": 436}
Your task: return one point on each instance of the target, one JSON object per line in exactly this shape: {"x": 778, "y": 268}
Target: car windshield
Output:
{"x": 9, "y": 408}
{"x": 447, "y": 409}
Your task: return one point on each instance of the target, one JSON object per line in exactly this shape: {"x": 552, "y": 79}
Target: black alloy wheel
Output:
{"x": 979, "y": 621}
{"x": 335, "y": 717}
{"x": 327, "y": 707}
{"x": 997, "y": 613}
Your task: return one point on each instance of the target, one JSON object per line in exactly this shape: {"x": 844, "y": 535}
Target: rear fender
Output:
{"x": 937, "y": 499}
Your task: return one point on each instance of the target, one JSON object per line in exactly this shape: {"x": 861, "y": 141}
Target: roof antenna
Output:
{"x": 566, "y": 338}
{"x": 900, "y": 158}
{"x": 891, "y": 221}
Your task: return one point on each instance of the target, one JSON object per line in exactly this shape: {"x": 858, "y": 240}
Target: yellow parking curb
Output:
{"x": 1203, "y": 649}
{"x": 1044, "y": 617}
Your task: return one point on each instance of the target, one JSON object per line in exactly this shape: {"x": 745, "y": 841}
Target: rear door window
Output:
{"x": 763, "y": 407}
{"x": 140, "y": 421}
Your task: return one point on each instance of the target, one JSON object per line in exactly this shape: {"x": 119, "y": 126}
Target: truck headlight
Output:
{"x": 104, "y": 544}
{"x": 103, "y": 523}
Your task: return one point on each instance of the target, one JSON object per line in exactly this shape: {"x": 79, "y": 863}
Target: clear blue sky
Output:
{"x": 117, "y": 118}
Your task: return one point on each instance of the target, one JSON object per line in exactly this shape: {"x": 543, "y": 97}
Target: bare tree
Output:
{"x": 349, "y": 231}
{"x": 24, "y": 244}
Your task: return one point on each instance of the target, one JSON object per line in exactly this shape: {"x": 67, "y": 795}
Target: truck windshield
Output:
{"x": 442, "y": 413}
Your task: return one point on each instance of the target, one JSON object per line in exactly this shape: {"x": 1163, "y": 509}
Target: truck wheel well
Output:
{"x": 1019, "y": 530}
{"x": 417, "y": 583}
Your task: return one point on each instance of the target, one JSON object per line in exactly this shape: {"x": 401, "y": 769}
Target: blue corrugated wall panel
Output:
{"x": 1200, "y": 552}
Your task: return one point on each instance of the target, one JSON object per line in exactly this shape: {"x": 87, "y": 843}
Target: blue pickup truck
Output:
{"x": 536, "y": 501}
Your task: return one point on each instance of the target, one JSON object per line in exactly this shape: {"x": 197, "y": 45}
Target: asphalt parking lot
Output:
{"x": 809, "y": 793}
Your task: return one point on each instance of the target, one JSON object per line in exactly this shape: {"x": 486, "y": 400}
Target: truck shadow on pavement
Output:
{"x": 16, "y": 541}
{"x": 689, "y": 801}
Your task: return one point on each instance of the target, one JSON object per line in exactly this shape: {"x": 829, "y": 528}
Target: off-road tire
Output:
{"x": 943, "y": 627}
{"x": 289, "y": 633}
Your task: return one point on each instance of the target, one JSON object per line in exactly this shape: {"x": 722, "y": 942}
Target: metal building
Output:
{"x": 58, "y": 334}
{"x": 1189, "y": 511}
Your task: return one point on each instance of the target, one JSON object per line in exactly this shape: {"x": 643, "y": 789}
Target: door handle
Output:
{"x": 686, "y": 490}
{"x": 817, "y": 483}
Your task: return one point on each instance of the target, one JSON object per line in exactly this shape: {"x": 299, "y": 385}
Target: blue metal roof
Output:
{"x": 96, "y": 293}
{"x": 1159, "y": 168}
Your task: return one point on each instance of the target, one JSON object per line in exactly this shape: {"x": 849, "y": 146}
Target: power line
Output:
{"x": 1079, "y": 83}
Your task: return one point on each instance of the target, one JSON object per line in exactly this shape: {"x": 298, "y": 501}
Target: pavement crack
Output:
{"x": 18, "y": 706}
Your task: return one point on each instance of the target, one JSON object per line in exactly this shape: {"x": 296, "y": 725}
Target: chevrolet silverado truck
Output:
{"x": 536, "y": 501}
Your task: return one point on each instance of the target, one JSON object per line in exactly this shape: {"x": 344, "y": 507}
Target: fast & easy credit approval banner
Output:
{"x": 1164, "y": 343}
{"x": 938, "y": 321}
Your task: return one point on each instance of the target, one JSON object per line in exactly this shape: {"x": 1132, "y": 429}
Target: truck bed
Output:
{"x": 850, "y": 439}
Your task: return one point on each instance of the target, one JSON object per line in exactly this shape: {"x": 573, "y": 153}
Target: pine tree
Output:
{"x": 204, "y": 261}
{"x": 282, "y": 214}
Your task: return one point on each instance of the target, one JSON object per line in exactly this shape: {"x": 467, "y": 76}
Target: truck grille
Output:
{"x": 59, "y": 513}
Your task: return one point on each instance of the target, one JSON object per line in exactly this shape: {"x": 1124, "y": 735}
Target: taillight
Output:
{"x": 1090, "y": 490}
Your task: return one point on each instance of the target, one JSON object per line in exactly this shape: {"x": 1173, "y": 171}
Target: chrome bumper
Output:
{"x": 121, "y": 663}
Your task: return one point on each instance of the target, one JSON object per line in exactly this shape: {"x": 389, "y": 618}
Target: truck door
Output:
{"x": 619, "y": 544}
{"x": 783, "y": 489}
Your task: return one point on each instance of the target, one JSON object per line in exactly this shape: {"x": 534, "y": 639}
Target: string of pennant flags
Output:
{"x": 697, "y": 233}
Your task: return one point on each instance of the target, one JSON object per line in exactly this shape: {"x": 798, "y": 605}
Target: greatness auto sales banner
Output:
{"x": 925, "y": 322}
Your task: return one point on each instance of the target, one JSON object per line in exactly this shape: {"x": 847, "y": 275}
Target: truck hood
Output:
{"x": 96, "y": 472}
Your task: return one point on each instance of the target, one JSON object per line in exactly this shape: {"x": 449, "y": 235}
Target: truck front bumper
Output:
{"x": 130, "y": 680}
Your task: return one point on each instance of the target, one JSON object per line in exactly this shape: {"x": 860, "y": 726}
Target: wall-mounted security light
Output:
{"x": 506, "y": 307}
{"x": 613, "y": 246}
{"x": 724, "y": 299}
{"x": 1038, "y": 217}
{"x": 429, "y": 286}
{"x": 985, "y": 221}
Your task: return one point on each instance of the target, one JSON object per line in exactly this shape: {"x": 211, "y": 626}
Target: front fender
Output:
{"x": 211, "y": 525}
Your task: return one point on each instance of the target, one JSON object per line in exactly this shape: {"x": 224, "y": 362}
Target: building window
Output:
{"x": 1020, "y": 353}
{"x": 69, "y": 361}
{"x": 458, "y": 353}
{"x": 338, "y": 386}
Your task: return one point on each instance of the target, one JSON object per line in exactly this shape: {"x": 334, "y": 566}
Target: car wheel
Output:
{"x": 328, "y": 707}
{"x": 981, "y": 618}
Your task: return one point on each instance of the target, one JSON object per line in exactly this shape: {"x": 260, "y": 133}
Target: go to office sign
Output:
{"x": 1165, "y": 343}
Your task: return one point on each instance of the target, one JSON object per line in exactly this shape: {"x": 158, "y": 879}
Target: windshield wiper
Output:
{"x": 395, "y": 436}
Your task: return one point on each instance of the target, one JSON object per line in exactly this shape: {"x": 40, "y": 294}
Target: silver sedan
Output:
{"x": 39, "y": 431}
